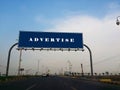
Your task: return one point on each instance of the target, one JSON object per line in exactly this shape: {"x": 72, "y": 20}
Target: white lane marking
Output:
{"x": 66, "y": 84}
{"x": 73, "y": 88}
{"x": 31, "y": 87}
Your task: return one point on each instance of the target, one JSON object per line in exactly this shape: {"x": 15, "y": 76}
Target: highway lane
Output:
{"x": 56, "y": 83}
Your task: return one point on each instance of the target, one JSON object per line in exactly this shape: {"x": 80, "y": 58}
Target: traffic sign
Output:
{"x": 29, "y": 39}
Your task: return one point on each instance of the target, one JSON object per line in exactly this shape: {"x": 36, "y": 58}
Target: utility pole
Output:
{"x": 70, "y": 66}
{"x": 38, "y": 68}
{"x": 19, "y": 67}
{"x": 82, "y": 69}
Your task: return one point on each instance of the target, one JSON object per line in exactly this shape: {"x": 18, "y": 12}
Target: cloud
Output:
{"x": 40, "y": 19}
{"x": 114, "y": 5}
{"x": 92, "y": 27}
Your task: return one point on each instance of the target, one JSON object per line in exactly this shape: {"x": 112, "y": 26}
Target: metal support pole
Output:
{"x": 91, "y": 65}
{"x": 8, "y": 61}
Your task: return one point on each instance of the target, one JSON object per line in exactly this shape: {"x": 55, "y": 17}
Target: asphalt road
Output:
{"x": 56, "y": 83}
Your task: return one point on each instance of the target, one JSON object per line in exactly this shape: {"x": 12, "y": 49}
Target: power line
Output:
{"x": 105, "y": 60}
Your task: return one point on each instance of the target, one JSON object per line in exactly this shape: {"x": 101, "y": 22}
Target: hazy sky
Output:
{"x": 94, "y": 18}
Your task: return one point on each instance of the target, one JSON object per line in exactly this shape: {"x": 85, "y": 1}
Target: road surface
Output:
{"x": 56, "y": 83}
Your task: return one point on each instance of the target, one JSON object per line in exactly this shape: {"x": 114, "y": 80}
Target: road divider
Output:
{"x": 105, "y": 80}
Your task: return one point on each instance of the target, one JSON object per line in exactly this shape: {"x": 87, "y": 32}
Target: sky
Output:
{"x": 96, "y": 19}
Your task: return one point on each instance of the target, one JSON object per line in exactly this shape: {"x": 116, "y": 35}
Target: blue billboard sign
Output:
{"x": 29, "y": 39}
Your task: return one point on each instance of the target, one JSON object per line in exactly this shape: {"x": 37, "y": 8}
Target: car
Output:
{"x": 45, "y": 75}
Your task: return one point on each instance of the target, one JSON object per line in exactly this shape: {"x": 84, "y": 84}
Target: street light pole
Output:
{"x": 118, "y": 20}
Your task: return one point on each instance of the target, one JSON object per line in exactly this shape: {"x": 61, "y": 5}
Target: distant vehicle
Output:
{"x": 67, "y": 73}
{"x": 45, "y": 75}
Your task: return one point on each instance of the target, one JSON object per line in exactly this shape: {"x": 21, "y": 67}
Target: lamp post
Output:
{"x": 118, "y": 20}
